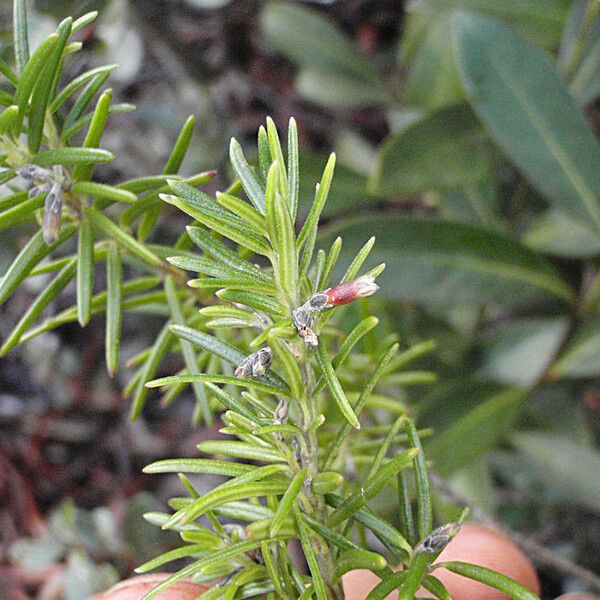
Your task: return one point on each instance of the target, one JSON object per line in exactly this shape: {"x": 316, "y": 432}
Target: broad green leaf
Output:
{"x": 114, "y": 307}
{"x": 443, "y": 150}
{"x": 452, "y": 263}
{"x": 476, "y": 203}
{"x": 21, "y": 43}
{"x": 73, "y": 156}
{"x": 490, "y": 578}
{"x": 520, "y": 351}
{"x": 312, "y": 41}
{"x": 581, "y": 357}
{"x": 340, "y": 90}
{"x": 527, "y": 107}
{"x": 540, "y": 20}
{"x": 85, "y": 272}
{"x": 585, "y": 85}
{"x": 476, "y": 432}
{"x": 433, "y": 79}
{"x": 568, "y": 468}
{"x": 557, "y": 233}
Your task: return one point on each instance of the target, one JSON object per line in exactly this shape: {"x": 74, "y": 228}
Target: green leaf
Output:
{"x": 213, "y": 558}
{"x": 36, "y": 308}
{"x": 314, "y": 42}
{"x": 21, "y": 213}
{"x": 372, "y": 487}
{"x": 358, "y": 559}
{"x": 114, "y": 307}
{"x": 8, "y": 117}
{"x": 337, "y": 90}
{"x": 181, "y": 147}
{"x": 210, "y": 244}
{"x": 581, "y": 356}
{"x": 208, "y": 466}
{"x": 476, "y": 432}
{"x": 115, "y": 109}
{"x": 334, "y": 447}
{"x": 309, "y": 554}
{"x": 557, "y": 233}
{"x": 202, "y": 208}
{"x": 335, "y": 387}
{"x": 452, "y": 263}
{"x": 551, "y": 460}
{"x": 244, "y": 171}
{"x": 287, "y": 263}
{"x": 115, "y": 232}
{"x": 288, "y": 501}
{"x": 422, "y": 488}
{"x": 84, "y": 20}
{"x": 254, "y": 384}
{"x": 443, "y": 150}
{"x": 520, "y": 351}
{"x": 94, "y": 135}
{"x": 527, "y": 107}
{"x": 101, "y": 190}
{"x": 489, "y": 577}
{"x": 312, "y": 220}
{"x": 72, "y": 156}
{"x": 388, "y": 585}
{"x": 293, "y": 168}
{"x": 84, "y": 100}
{"x": 540, "y": 20}
{"x": 258, "y": 302}
{"x": 293, "y": 377}
{"x": 30, "y": 75}
{"x": 21, "y": 43}
{"x": 43, "y": 88}
{"x": 207, "y": 342}
{"x": 159, "y": 350}
{"x": 243, "y": 210}
{"x": 8, "y": 73}
{"x": 31, "y": 254}
{"x": 585, "y": 85}
{"x": 85, "y": 272}
{"x": 277, "y": 155}
{"x": 433, "y": 79}
{"x": 243, "y": 450}
{"x": 187, "y": 350}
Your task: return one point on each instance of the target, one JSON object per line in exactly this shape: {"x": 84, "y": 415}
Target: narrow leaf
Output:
{"x": 85, "y": 272}
{"x": 114, "y": 307}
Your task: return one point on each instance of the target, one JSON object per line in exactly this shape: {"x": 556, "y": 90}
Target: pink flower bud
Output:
{"x": 351, "y": 290}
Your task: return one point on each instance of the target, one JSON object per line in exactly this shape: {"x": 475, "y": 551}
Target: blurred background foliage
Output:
{"x": 466, "y": 136}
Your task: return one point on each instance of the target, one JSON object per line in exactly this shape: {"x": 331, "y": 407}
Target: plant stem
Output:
{"x": 309, "y": 459}
{"x": 578, "y": 49}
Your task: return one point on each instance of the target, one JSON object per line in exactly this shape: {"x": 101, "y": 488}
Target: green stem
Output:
{"x": 579, "y": 44}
